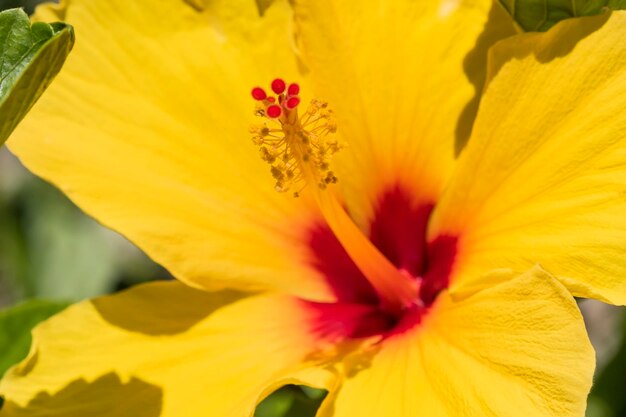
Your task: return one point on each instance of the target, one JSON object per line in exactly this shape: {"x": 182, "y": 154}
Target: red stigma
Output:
{"x": 281, "y": 100}
{"x": 292, "y": 103}
{"x": 278, "y": 86}
{"x": 274, "y": 111}
{"x": 293, "y": 89}
{"x": 258, "y": 93}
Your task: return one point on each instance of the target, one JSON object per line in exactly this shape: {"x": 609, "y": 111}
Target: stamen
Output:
{"x": 299, "y": 151}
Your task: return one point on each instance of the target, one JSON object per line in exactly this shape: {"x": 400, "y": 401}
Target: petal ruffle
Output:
{"x": 517, "y": 349}
{"x": 543, "y": 177}
{"x": 403, "y": 78}
{"x": 146, "y": 129}
{"x": 164, "y": 349}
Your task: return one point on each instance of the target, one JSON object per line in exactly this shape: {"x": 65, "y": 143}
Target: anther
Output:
{"x": 278, "y": 86}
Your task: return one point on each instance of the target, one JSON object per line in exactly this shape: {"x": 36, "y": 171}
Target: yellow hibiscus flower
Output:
{"x": 432, "y": 279}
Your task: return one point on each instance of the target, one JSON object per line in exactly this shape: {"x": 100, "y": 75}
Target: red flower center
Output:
{"x": 398, "y": 230}
{"x": 382, "y": 285}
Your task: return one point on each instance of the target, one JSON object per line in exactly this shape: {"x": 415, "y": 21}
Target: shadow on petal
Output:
{"x": 499, "y": 25}
{"x": 106, "y": 396}
{"x": 147, "y": 311}
{"x": 571, "y": 35}
{"x": 569, "y": 32}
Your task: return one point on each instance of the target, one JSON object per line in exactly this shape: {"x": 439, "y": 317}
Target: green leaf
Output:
{"x": 30, "y": 57}
{"x": 16, "y": 324}
{"x": 541, "y": 15}
{"x": 291, "y": 401}
{"x": 277, "y": 404}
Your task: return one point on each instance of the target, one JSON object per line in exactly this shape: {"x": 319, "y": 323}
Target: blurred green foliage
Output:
{"x": 608, "y": 397}
{"x": 291, "y": 401}
{"x": 16, "y": 324}
{"x": 541, "y": 15}
{"x": 28, "y": 5}
{"x": 51, "y": 254}
{"x": 50, "y": 249}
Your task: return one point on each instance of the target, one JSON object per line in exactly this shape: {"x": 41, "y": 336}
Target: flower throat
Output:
{"x": 299, "y": 150}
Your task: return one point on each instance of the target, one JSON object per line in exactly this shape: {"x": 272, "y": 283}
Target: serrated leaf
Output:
{"x": 16, "y": 324}
{"x": 541, "y": 15}
{"x": 30, "y": 57}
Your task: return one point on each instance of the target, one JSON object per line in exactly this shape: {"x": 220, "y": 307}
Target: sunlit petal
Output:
{"x": 164, "y": 349}
{"x": 542, "y": 179}
{"x": 404, "y": 78}
{"x": 518, "y": 349}
{"x": 147, "y": 129}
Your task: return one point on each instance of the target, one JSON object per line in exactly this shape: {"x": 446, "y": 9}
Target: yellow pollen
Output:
{"x": 298, "y": 149}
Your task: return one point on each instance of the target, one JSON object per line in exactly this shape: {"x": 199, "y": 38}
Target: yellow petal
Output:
{"x": 146, "y": 129}
{"x": 402, "y": 77}
{"x": 163, "y": 349}
{"x": 543, "y": 178}
{"x": 518, "y": 349}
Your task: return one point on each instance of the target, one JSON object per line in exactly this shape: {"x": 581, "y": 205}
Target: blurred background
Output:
{"x": 51, "y": 255}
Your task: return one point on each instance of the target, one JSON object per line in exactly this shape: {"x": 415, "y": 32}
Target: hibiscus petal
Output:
{"x": 543, "y": 177}
{"x": 146, "y": 129}
{"x": 517, "y": 349}
{"x": 401, "y": 77}
{"x": 164, "y": 349}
